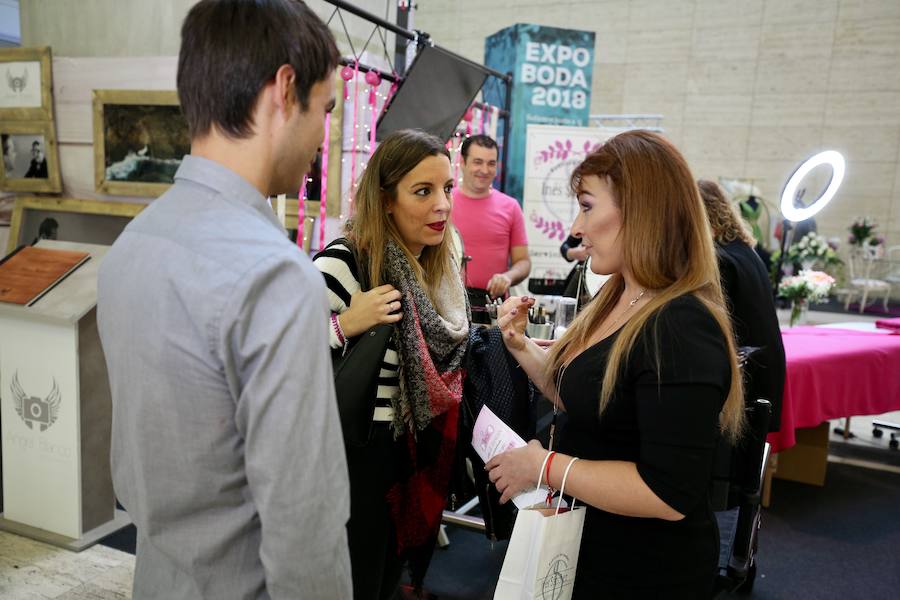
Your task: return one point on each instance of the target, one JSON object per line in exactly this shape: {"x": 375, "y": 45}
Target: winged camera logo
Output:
{"x": 17, "y": 84}
{"x": 34, "y": 410}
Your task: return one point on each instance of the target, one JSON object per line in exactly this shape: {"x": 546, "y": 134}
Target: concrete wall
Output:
{"x": 748, "y": 88}
{"x": 111, "y": 28}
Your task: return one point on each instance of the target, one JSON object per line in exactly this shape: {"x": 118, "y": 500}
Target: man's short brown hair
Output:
{"x": 231, "y": 48}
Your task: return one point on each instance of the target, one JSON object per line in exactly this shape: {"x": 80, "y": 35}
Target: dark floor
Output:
{"x": 839, "y": 541}
{"x": 873, "y": 308}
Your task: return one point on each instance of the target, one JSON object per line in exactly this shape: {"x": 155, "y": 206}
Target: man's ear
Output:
{"x": 285, "y": 92}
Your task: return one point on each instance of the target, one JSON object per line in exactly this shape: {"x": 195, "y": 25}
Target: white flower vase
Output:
{"x": 799, "y": 312}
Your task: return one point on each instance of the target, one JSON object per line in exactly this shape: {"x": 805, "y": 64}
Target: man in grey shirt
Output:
{"x": 227, "y": 449}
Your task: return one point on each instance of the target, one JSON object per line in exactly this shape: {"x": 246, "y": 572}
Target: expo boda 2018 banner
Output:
{"x": 550, "y": 209}
{"x": 552, "y": 71}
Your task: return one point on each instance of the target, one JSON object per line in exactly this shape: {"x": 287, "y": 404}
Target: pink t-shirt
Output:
{"x": 489, "y": 227}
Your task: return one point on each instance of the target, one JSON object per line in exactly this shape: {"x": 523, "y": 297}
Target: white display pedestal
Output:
{"x": 56, "y": 413}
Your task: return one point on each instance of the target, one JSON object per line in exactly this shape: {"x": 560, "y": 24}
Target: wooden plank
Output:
{"x": 74, "y": 80}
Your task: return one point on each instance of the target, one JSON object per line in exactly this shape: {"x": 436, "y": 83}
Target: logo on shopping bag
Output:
{"x": 42, "y": 412}
{"x": 556, "y": 578}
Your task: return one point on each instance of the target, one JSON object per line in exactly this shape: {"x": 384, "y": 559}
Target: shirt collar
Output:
{"x": 226, "y": 182}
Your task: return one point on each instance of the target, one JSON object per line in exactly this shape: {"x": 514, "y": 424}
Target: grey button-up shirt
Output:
{"x": 226, "y": 444}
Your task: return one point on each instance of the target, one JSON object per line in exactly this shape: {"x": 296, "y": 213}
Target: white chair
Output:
{"x": 893, "y": 258}
{"x": 861, "y": 264}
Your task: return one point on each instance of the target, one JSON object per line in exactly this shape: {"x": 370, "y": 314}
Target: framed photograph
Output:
{"x": 25, "y": 84}
{"x": 140, "y": 138}
{"x": 69, "y": 220}
{"x": 30, "y": 157}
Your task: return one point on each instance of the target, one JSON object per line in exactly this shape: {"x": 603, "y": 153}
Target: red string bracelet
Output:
{"x": 547, "y": 476}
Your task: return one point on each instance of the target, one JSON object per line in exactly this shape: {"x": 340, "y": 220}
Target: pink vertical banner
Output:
{"x": 481, "y": 120}
{"x": 323, "y": 188}
{"x": 301, "y": 206}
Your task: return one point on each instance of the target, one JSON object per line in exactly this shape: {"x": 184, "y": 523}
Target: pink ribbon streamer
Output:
{"x": 353, "y": 141}
{"x": 392, "y": 90}
{"x": 301, "y": 201}
{"x": 373, "y": 105}
{"x": 456, "y": 161}
{"x": 323, "y": 188}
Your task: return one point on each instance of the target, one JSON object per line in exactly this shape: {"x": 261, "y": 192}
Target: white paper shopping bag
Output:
{"x": 542, "y": 555}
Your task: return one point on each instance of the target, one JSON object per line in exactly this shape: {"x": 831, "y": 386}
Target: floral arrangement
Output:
{"x": 808, "y": 286}
{"x": 862, "y": 233}
{"x": 812, "y": 250}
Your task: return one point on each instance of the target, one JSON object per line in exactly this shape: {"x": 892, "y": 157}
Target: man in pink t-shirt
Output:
{"x": 490, "y": 223}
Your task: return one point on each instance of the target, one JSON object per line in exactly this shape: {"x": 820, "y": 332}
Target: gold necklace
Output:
{"x": 610, "y": 328}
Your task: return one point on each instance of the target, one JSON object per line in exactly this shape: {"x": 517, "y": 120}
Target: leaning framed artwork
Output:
{"x": 25, "y": 84}
{"x": 140, "y": 138}
{"x": 69, "y": 219}
{"x": 30, "y": 157}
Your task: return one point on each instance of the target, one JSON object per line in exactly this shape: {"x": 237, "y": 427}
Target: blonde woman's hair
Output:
{"x": 371, "y": 226}
{"x": 727, "y": 225}
{"x": 668, "y": 249}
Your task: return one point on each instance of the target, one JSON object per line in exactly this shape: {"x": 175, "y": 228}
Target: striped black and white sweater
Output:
{"x": 342, "y": 278}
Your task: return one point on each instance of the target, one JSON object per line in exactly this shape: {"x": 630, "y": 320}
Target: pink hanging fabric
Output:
{"x": 481, "y": 120}
{"x": 353, "y": 138}
{"x": 301, "y": 201}
{"x": 468, "y": 119}
{"x": 456, "y": 145}
{"x": 393, "y": 89}
{"x": 374, "y": 80}
{"x": 323, "y": 188}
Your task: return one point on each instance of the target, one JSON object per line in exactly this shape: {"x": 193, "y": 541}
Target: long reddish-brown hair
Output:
{"x": 667, "y": 246}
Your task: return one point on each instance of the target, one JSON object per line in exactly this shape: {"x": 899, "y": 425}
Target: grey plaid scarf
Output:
{"x": 431, "y": 341}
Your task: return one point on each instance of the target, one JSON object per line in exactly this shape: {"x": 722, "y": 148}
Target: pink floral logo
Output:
{"x": 552, "y": 229}
{"x": 564, "y": 149}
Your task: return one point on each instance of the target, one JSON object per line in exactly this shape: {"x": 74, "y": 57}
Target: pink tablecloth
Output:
{"x": 833, "y": 373}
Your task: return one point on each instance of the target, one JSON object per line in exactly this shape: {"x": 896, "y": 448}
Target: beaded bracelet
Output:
{"x": 337, "y": 329}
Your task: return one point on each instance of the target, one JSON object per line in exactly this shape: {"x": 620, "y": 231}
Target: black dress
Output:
{"x": 748, "y": 292}
{"x": 663, "y": 417}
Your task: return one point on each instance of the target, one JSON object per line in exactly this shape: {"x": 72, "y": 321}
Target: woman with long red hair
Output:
{"x": 647, "y": 374}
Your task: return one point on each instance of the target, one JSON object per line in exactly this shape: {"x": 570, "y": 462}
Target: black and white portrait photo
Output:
{"x": 24, "y": 156}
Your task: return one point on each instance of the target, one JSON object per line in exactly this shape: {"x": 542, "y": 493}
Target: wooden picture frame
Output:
{"x": 30, "y": 157}
{"x": 85, "y": 221}
{"x": 26, "y": 84}
{"x": 140, "y": 138}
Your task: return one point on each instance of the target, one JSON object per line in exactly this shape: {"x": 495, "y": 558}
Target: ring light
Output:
{"x": 829, "y": 157}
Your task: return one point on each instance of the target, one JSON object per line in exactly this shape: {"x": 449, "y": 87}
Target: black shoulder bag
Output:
{"x": 356, "y": 373}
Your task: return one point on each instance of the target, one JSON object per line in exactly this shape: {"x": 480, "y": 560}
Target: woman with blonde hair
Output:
{"x": 395, "y": 266}
{"x": 647, "y": 374}
{"x": 750, "y": 299}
